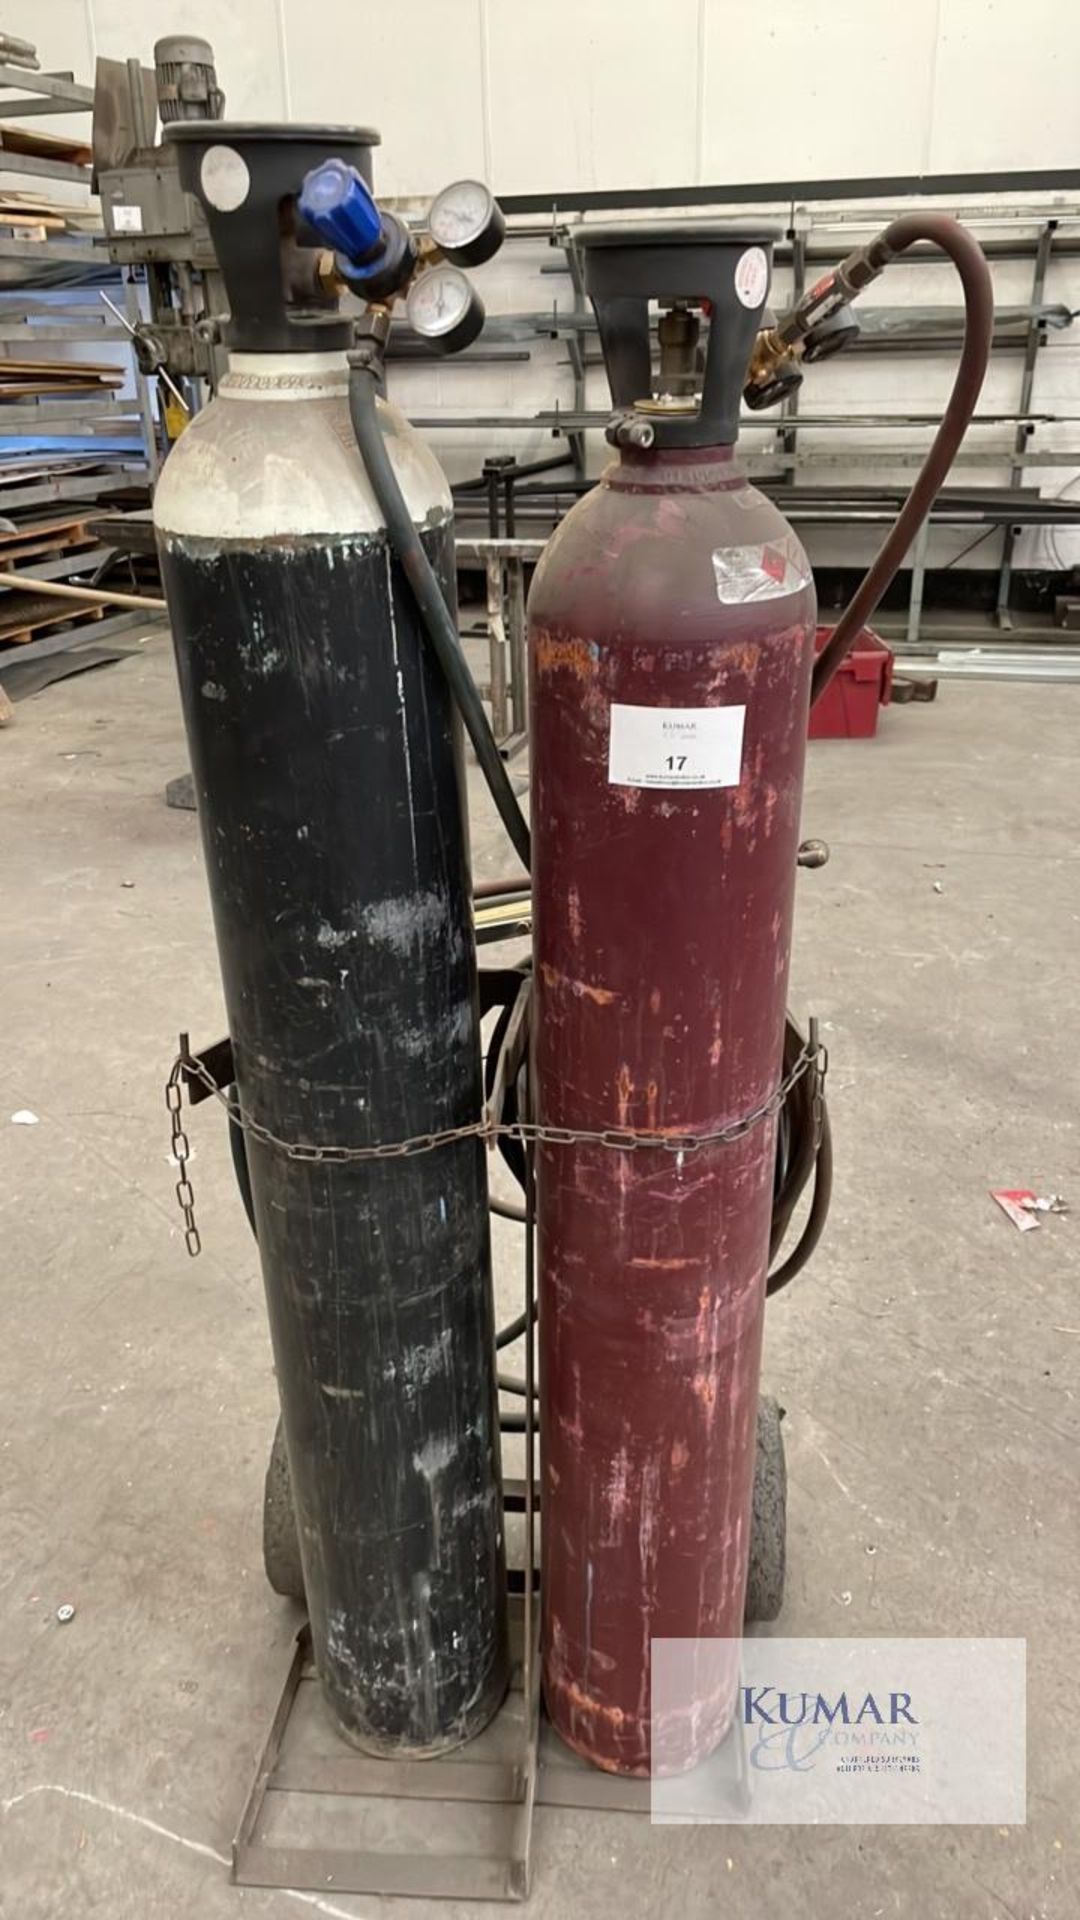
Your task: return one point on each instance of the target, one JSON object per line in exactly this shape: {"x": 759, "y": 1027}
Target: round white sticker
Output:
{"x": 752, "y": 277}
{"x": 225, "y": 178}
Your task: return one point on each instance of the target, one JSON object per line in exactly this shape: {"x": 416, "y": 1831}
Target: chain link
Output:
{"x": 181, "y": 1153}
{"x": 812, "y": 1058}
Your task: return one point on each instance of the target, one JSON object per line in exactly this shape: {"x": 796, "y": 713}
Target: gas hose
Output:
{"x": 439, "y": 623}
{"x": 857, "y": 271}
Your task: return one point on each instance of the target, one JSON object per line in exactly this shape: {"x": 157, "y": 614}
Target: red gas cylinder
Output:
{"x": 671, "y": 634}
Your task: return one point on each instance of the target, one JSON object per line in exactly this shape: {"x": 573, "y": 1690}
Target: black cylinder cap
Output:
{"x": 627, "y": 265}
{"x": 242, "y": 172}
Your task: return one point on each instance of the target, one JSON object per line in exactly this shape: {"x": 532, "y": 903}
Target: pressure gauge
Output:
{"x": 466, "y": 223}
{"x": 445, "y": 308}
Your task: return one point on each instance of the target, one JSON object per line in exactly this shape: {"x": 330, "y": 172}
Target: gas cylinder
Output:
{"x": 327, "y": 761}
{"x": 671, "y": 638}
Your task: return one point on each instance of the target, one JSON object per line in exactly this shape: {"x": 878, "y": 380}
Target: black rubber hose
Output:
{"x": 796, "y": 1144}
{"x": 509, "y": 1383}
{"x": 513, "y": 1331}
{"x": 439, "y": 624}
{"x": 801, "y": 1150}
{"x": 506, "y": 1209}
{"x": 815, "y": 1219}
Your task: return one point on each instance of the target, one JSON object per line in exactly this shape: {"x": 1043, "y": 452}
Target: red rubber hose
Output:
{"x": 970, "y": 262}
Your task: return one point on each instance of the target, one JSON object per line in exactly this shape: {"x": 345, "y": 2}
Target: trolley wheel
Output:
{"x": 768, "y": 1518}
{"x": 281, "y": 1542}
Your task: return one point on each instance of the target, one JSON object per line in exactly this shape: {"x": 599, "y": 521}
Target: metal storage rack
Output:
{"x": 38, "y": 322}
{"x": 30, "y": 318}
{"x": 515, "y": 502}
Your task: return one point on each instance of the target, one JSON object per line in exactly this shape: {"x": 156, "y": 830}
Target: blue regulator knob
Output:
{"x": 341, "y": 209}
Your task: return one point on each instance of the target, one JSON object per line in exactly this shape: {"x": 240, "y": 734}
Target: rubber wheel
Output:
{"x": 768, "y": 1519}
{"x": 281, "y": 1544}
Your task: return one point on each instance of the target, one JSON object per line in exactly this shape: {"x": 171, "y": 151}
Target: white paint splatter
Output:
{"x": 421, "y": 1364}
{"x": 435, "y": 1456}
{"x": 332, "y": 937}
{"x": 403, "y": 923}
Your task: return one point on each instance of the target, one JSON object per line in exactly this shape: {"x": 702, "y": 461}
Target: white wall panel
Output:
{"x": 413, "y": 70}
{"x": 243, "y": 34}
{"x": 560, "y": 94}
{"x": 1006, "y": 85}
{"x": 796, "y": 90}
{"x": 591, "y": 93}
{"x": 59, "y": 29}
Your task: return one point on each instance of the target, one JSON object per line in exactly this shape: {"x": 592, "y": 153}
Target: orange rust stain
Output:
{"x": 654, "y": 1000}
{"x": 587, "y": 1704}
{"x": 716, "y": 1047}
{"x": 652, "y": 1095}
{"x": 602, "y": 996}
{"x": 705, "y": 1388}
{"x": 673, "y": 1265}
{"x": 624, "y": 1087}
{"x": 573, "y": 912}
{"x": 742, "y": 801}
{"x": 575, "y": 655}
{"x": 737, "y": 660}
{"x": 581, "y": 989}
{"x": 771, "y": 797}
{"x": 680, "y": 1454}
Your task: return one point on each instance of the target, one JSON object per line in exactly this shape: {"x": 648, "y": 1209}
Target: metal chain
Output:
{"x": 813, "y": 1057}
{"x": 181, "y": 1153}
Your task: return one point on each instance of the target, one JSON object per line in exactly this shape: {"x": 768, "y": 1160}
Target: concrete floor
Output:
{"x": 928, "y": 1360}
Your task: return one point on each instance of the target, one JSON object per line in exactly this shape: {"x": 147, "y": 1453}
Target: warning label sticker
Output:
{"x": 752, "y": 276}
{"x": 676, "y": 746}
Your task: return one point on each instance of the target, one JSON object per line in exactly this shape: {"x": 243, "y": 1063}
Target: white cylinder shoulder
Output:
{"x": 274, "y": 454}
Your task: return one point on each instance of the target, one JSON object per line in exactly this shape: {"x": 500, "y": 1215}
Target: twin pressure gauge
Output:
{"x": 466, "y": 223}
{"x": 445, "y": 308}
{"x": 467, "y": 226}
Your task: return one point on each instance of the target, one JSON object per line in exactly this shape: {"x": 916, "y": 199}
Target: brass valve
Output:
{"x": 327, "y": 278}
{"x": 774, "y": 370}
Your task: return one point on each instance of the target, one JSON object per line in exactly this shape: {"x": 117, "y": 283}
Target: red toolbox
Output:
{"x": 848, "y": 708}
